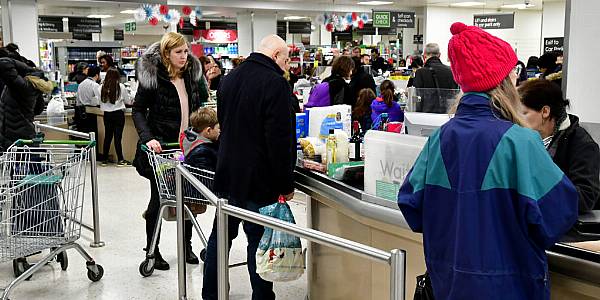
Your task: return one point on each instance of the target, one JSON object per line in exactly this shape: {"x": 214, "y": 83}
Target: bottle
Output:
{"x": 356, "y": 142}
{"x": 341, "y": 146}
{"x": 383, "y": 120}
{"x": 330, "y": 147}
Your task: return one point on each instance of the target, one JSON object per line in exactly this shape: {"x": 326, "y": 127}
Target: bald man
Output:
{"x": 257, "y": 151}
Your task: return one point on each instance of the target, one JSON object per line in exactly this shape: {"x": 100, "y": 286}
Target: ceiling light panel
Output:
{"x": 375, "y": 3}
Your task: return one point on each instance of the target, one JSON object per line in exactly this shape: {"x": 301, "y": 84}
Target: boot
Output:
{"x": 190, "y": 257}
{"x": 160, "y": 263}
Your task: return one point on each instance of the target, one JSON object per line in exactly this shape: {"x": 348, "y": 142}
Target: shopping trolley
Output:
{"x": 163, "y": 165}
{"x": 42, "y": 187}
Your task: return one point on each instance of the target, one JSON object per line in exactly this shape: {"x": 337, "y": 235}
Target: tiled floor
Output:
{"x": 123, "y": 198}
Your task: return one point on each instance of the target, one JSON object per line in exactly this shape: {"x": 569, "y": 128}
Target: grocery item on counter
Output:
{"x": 355, "y": 148}
{"x": 311, "y": 147}
{"x": 342, "y": 145}
{"x": 316, "y": 116}
{"x": 330, "y": 147}
{"x": 301, "y": 125}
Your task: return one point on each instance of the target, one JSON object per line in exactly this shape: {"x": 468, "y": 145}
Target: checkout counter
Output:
{"x": 357, "y": 213}
{"x": 130, "y": 135}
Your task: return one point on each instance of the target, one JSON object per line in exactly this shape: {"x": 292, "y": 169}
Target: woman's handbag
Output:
{"x": 423, "y": 291}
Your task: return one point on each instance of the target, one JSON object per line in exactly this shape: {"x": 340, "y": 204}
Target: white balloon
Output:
{"x": 140, "y": 15}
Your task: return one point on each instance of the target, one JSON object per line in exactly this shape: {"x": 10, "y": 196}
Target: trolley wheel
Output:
{"x": 63, "y": 259}
{"x": 20, "y": 265}
{"x": 203, "y": 255}
{"x": 145, "y": 270}
{"x": 95, "y": 276}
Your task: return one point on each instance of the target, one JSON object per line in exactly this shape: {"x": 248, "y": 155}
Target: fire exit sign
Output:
{"x": 130, "y": 26}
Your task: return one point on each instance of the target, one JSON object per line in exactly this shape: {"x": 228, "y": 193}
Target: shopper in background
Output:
{"x": 362, "y": 110}
{"x": 346, "y": 52}
{"x": 402, "y": 63}
{"x": 88, "y": 94}
{"x": 365, "y": 59}
{"x": 532, "y": 66}
{"x": 484, "y": 192}
{"x": 259, "y": 141}
{"x": 360, "y": 80}
{"x": 106, "y": 62}
{"x": 356, "y": 52}
{"x": 339, "y": 88}
{"x": 212, "y": 72}
{"x": 170, "y": 85}
{"x": 13, "y": 52}
{"x": 387, "y": 102}
{"x": 550, "y": 69}
{"x": 415, "y": 65}
{"x": 80, "y": 73}
{"x": 236, "y": 62}
{"x": 378, "y": 64}
{"x": 20, "y": 101}
{"x": 570, "y": 146}
{"x": 113, "y": 97}
{"x": 436, "y": 77}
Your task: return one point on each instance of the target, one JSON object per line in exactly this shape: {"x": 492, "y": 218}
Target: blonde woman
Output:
{"x": 484, "y": 192}
{"x": 171, "y": 86}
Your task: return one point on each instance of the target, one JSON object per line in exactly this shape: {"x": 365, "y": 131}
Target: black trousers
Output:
{"x": 151, "y": 217}
{"x": 114, "y": 122}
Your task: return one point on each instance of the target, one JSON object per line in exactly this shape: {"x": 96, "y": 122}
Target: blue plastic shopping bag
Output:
{"x": 279, "y": 255}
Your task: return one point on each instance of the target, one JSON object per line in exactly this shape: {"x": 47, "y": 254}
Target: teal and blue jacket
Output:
{"x": 489, "y": 200}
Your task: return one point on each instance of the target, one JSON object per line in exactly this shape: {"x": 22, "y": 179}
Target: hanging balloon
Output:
{"x": 198, "y": 12}
{"x": 334, "y": 19}
{"x": 329, "y": 27}
{"x": 364, "y": 17}
{"x": 193, "y": 19}
{"x": 327, "y": 19}
{"x": 186, "y": 10}
{"x": 147, "y": 10}
{"x": 172, "y": 16}
{"x": 153, "y": 21}
{"x": 354, "y": 16}
{"x": 140, "y": 15}
{"x": 163, "y": 9}
{"x": 348, "y": 18}
{"x": 340, "y": 26}
{"x": 361, "y": 24}
{"x": 319, "y": 20}
{"x": 156, "y": 12}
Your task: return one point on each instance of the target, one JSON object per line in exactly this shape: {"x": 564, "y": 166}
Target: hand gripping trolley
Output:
{"x": 163, "y": 165}
{"x": 42, "y": 186}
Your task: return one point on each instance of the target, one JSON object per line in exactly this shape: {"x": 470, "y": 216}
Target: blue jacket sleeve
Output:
{"x": 552, "y": 198}
{"x": 410, "y": 196}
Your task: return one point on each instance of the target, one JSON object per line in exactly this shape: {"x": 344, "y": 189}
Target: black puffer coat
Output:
{"x": 20, "y": 102}
{"x": 157, "y": 110}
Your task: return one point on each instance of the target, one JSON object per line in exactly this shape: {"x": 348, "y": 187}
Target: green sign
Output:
{"x": 381, "y": 19}
{"x": 130, "y": 26}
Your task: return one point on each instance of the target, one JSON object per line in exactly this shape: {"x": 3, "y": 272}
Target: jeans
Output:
{"x": 114, "y": 122}
{"x": 151, "y": 217}
{"x": 261, "y": 289}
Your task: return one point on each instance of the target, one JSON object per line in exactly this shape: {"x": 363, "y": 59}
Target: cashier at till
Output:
{"x": 570, "y": 145}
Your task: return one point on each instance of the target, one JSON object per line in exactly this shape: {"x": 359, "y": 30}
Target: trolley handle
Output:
{"x": 166, "y": 145}
{"x": 23, "y": 142}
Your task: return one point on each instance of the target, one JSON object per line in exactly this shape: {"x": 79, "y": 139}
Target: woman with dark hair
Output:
{"x": 80, "y": 73}
{"x": 106, "y": 62}
{"x": 360, "y": 80}
{"x": 570, "y": 146}
{"x": 362, "y": 110}
{"x": 113, "y": 97}
{"x": 387, "y": 103}
{"x": 532, "y": 66}
{"x": 339, "y": 88}
{"x": 550, "y": 69}
{"x": 212, "y": 72}
{"x": 416, "y": 64}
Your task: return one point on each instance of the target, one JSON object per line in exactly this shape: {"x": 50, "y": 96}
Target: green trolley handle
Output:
{"x": 89, "y": 144}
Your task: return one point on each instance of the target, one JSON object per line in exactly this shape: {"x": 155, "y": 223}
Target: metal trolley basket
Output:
{"x": 41, "y": 204}
{"x": 163, "y": 165}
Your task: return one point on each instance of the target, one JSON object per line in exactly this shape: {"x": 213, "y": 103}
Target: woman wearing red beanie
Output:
{"x": 484, "y": 192}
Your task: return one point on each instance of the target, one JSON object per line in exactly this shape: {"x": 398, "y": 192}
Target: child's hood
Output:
{"x": 189, "y": 139}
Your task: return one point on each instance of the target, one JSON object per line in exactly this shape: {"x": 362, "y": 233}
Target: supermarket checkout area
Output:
{"x": 365, "y": 211}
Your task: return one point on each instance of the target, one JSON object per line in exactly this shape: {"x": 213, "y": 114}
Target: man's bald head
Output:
{"x": 274, "y": 47}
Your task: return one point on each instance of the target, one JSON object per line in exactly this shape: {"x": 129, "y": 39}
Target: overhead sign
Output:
{"x": 220, "y": 36}
{"x": 132, "y": 26}
{"x": 381, "y": 19}
{"x": 418, "y": 39}
{"x": 119, "y": 36}
{"x": 494, "y": 21}
{"x": 299, "y": 27}
{"x": 82, "y": 36}
{"x": 282, "y": 29}
{"x": 388, "y": 31}
{"x": 50, "y": 24}
{"x": 554, "y": 44}
{"x": 402, "y": 19}
{"x": 85, "y": 25}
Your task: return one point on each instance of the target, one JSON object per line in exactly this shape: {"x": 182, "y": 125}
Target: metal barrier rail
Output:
{"x": 396, "y": 258}
{"x": 95, "y": 228}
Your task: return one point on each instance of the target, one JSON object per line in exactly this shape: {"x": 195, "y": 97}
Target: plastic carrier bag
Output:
{"x": 279, "y": 255}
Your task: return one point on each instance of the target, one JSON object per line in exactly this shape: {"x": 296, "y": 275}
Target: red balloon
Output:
{"x": 361, "y": 24}
{"x": 186, "y": 10}
{"x": 354, "y": 16}
{"x": 153, "y": 21}
{"x": 329, "y": 27}
{"x": 163, "y": 9}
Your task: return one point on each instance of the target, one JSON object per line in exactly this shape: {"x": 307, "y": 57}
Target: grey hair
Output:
{"x": 432, "y": 49}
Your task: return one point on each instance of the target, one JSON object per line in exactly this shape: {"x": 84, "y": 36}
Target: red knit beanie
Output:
{"x": 479, "y": 60}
